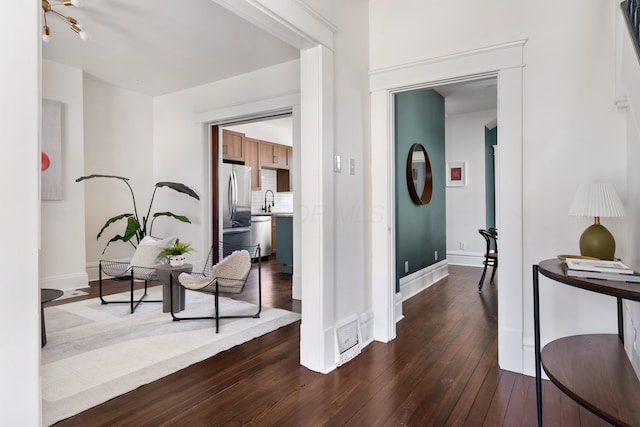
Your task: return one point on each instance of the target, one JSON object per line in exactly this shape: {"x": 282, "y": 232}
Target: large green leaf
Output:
{"x": 181, "y": 188}
{"x": 132, "y": 228}
{"x": 114, "y": 239}
{"x": 114, "y": 219}
{"x": 82, "y": 178}
{"x": 178, "y": 217}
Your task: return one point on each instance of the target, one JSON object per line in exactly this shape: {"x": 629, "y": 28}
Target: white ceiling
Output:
{"x": 161, "y": 46}
{"x": 469, "y": 96}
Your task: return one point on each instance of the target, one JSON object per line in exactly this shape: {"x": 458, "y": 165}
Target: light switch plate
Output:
{"x": 337, "y": 166}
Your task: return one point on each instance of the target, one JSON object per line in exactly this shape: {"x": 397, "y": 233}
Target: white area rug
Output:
{"x": 95, "y": 352}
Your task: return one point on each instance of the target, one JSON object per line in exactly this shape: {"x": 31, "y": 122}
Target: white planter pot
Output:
{"x": 176, "y": 260}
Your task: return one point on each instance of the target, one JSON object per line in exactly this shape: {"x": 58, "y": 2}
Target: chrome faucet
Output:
{"x": 267, "y": 207}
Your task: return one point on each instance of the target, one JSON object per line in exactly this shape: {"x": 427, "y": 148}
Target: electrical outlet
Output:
{"x": 462, "y": 245}
{"x": 352, "y": 166}
{"x": 406, "y": 266}
{"x": 436, "y": 255}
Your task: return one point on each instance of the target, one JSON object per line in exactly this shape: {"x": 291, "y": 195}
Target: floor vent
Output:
{"x": 348, "y": 341}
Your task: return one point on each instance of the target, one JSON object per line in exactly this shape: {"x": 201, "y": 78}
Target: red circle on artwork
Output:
{"x": 45, "y": 162}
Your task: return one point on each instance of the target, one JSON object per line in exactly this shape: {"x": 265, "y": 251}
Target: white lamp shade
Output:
{"x": 597, "y": 200}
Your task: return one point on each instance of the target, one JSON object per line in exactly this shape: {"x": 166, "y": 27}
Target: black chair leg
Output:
{"x": 484, "y": 272}
{"x": 493, "y": 273}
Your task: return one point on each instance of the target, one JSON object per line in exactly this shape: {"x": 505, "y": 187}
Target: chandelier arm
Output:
{"x": 66, "y": 19}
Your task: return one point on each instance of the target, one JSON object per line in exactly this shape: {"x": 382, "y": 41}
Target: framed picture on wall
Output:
{"x": 51, "y": 153}
{"x": 456, "y": 174}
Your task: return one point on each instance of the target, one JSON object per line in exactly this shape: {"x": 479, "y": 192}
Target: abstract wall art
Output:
{"x": 51, "y": 155}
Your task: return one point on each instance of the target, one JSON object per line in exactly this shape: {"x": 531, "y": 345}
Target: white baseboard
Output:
{"x": 529, "y": 361}
{"x": 366, "y": 327}
{"x": 420, "y": 280}
{"x": 65, "y": 282}
{"x": 92, "y": 271}
{"x": 471, "y": 259}
{"x": 397, "y": 307}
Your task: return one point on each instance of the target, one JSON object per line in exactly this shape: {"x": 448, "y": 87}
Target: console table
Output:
{"x": 593, "y": 370}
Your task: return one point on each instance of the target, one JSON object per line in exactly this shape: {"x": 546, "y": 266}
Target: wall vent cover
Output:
{"x": 348, "y": 342}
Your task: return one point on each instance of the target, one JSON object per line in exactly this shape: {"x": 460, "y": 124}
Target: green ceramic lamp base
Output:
{"x": 598, "y": 242}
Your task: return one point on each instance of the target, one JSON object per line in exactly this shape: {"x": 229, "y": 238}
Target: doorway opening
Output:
{"x": 263, "y": 147}
{"x": 505, "y": 62}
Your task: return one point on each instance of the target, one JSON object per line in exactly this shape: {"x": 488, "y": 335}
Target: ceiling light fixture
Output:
{"x": 48, "y": 7}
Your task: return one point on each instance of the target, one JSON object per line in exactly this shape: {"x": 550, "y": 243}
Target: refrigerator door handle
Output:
{"x": 230, "y": 195}
{"x": 234, "y": 206}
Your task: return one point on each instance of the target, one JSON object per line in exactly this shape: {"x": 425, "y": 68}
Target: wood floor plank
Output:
{"x": 441, "y": 370}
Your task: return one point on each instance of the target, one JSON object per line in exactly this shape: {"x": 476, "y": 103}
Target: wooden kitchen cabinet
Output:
{"x": 283, "y": 181}
{"x": 233, "y": 145}
{"x": 274, "y": 156}
{"x": 252, "y": 158}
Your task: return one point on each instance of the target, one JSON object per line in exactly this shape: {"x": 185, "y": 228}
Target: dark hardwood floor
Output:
{"x": 441, "y": 370}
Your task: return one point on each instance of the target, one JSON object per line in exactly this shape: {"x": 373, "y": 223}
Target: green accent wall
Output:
{"x": 420, "y": 229}
{"x": 490, "y": 139}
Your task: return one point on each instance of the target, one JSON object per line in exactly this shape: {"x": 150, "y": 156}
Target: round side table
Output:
{"x": 46, "y": 295}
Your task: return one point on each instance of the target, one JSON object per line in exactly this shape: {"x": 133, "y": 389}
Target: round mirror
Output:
{"x": 419, "y": 179}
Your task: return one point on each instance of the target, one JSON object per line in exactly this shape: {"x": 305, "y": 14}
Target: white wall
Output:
{"x": 466, "y": 213}
{"x": 572, "y": 131}
{"x": 630, "y": 88}
{"x": 118, "y": 140}
{"x": 20, "y": 214}
{"x": 62, "y": 261}
{"x": 181, "y": 149}
{"x": 351, "y": 130}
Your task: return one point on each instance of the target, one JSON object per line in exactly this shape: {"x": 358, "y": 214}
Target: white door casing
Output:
{"x": 505, "y": 62}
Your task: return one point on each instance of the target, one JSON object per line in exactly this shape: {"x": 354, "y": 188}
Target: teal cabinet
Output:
{"x": 284, "y": 242}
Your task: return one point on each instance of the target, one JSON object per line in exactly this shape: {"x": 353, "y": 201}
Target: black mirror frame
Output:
{"x": 425, "y": 197}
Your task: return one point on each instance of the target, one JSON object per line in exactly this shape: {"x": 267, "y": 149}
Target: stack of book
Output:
{"x": 600, "y": 269}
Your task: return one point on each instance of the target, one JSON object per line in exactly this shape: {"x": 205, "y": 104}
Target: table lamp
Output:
{"x": 597, "y": 200}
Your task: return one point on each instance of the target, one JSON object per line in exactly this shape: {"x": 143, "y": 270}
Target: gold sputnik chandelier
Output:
{"x": 49, "y": 7}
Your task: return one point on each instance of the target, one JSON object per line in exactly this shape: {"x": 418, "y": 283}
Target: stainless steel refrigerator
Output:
{"x": 236, "y": 202}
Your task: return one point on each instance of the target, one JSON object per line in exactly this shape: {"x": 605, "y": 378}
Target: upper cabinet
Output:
{"x": 274, "y": 156}
{"x": 233, "y": 145}
{"x": 252, "y": 158}
{"x": 239, "y": 148}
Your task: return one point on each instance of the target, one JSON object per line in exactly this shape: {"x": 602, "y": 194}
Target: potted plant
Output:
{"x": 136, "y": 225}
{"x": 175, "y": 253}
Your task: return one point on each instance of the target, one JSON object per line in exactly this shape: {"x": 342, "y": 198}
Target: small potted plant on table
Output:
{"x": 175, "y": 253}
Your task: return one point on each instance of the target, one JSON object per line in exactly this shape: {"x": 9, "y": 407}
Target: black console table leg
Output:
{"x": 620, "y": 320}
{"x": 536, "y": 333}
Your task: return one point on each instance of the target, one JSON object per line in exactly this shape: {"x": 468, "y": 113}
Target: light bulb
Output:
{"x": 83, "y": 34}
{"x": 76, "y": 3}
{"x": 45, "y": 33}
